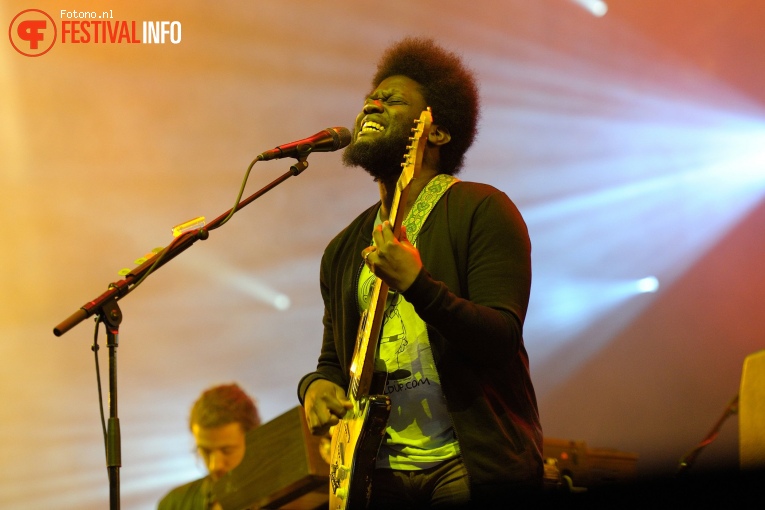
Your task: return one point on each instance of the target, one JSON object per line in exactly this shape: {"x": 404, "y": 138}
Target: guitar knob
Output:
{"x": 341, "y": 493}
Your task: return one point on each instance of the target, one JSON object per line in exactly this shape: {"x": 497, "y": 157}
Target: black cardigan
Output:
{"x": 472, "y": 292}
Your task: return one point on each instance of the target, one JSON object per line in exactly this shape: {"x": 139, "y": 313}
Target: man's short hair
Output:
{"x": 448, "y": 87}
{"x": 224, "y": 404}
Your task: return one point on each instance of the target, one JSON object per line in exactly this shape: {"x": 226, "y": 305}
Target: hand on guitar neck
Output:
{"x": 395, "y": 261}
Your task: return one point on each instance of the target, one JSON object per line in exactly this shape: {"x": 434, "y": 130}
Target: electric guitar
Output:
{"x": 357, "y": 438}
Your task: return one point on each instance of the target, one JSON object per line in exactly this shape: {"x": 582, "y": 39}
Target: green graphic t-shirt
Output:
{"x": 422, "y": 436}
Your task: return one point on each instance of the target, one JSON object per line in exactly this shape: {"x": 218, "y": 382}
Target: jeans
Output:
{"x": 442, "y": 486}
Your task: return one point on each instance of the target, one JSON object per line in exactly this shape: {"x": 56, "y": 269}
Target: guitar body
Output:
{"x": 356, "y": 439}
{"x": 355, "y": 443}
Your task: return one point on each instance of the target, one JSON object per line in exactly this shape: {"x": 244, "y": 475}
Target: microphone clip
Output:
{"x": 301, "y": 164}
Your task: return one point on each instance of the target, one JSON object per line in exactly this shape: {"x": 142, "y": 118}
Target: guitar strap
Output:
{"x": 425, "y": 202}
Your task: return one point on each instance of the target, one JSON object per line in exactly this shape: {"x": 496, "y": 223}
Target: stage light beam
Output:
{"x": 595, "y": 7}
{"x": 647, "y": 284}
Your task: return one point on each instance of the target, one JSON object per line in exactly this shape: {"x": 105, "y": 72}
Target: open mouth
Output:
{"x": 371, "y": 127}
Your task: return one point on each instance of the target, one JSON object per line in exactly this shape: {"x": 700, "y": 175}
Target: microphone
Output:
{"x": 328, "y": 140}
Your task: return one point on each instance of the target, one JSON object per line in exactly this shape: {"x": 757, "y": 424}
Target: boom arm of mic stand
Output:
{"x": 120, "y": 289}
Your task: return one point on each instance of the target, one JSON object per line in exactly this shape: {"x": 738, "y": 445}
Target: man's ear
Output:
{"x": 439, "y": 135}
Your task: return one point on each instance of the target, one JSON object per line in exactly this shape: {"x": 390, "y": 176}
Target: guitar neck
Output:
{"x": 361, "y": 383}
{"x": 363, "y": 364}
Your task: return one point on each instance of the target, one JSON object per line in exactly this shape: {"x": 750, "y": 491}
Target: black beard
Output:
{"x": 381, "y": 158}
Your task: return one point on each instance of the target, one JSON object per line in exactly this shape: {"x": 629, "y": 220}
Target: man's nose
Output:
{"x": 372, "y": 105}
{"x": 216, "y": 463}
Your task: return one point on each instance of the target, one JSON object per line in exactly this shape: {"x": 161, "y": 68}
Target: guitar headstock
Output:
{"x": 413, "y": 157}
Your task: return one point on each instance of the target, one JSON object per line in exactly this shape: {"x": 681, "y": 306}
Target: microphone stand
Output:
{"x": 106, "y": 308}
{"x": 687, "y": 460}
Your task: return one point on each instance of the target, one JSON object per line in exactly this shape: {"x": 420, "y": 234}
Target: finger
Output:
{"x": 377, "y": 235}
{"x": 324, "y": 430}
{"x": 314, "y": 422}
{"x": 319, "y": 430}
{"x": 320, "y": 420}
{"x": 337, "y": 409}
{"x": 387, "y": 231}
{"x": 344, "y": 400}
{"x": 366, "y": 252}
{"x": 402, "y": 237}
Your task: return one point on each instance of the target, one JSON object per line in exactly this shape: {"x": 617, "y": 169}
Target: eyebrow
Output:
{"x": 217, "y": 447}
{"x": 384, "y": 92}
